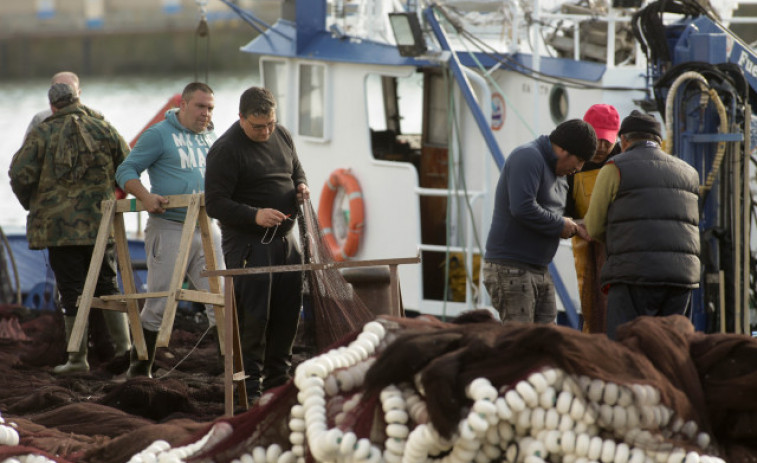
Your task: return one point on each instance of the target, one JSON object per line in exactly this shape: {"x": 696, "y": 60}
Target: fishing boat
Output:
{"x": 480, "y": 84}
{"x": 403, "y": 114}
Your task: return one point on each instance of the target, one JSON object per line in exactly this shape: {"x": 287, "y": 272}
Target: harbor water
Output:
{"x": 128, "y": 102}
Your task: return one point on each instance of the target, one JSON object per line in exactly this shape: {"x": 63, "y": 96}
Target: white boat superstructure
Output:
{"x": 426, "y": 135}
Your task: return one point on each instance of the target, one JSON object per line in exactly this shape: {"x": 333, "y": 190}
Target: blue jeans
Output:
{"x": 519, "y": 294}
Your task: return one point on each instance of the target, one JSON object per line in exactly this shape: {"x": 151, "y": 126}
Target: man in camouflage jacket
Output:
{"x": 61, "y": 174}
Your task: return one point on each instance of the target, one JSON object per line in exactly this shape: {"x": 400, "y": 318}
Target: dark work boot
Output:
{"x": 253, "y": 382}
{"x": 118, "y": 327}
{"x": 139, "y": 367}
{"x": 77, "y": 361}
{"x": 253, "y": 390}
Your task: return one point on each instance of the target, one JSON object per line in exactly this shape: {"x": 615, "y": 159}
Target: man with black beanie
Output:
{"x": 645, "y": 208}
{"x": 528, "y": 222}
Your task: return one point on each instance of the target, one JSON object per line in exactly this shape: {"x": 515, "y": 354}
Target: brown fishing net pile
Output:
{"x": 100, "y": 416}
{"x": 709, "y": 381}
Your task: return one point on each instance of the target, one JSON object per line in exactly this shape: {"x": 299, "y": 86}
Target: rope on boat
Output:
{"x": 707, "y": 95}
{"x": 203, "y": 31}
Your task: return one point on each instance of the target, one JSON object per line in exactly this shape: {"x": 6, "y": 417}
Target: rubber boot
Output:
{"x": 118, "y": 327}
{"x": 77, "y": 361}
{"x": 139, "y": 367}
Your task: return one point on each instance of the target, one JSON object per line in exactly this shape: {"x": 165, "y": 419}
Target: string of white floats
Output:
{"x": 9, "y": 436}
{"x": 549, "y": 416}
{"x": 161, "y": 451}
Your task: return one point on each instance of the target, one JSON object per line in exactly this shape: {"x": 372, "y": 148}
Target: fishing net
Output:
{"x": 417, "y": 390}
{"x": 475, "y": 389}
{"x": 334, "y": 306}
{"x": 95, "y": 417}
{"x": 593, "y": 299}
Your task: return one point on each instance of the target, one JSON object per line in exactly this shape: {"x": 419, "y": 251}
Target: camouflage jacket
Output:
{"x": 62, "y": 173}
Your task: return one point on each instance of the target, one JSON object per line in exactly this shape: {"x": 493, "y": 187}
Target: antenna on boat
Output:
{"x": 203, "y": 31}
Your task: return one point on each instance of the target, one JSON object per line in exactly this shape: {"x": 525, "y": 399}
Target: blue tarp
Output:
{"x": 36, "y": 276}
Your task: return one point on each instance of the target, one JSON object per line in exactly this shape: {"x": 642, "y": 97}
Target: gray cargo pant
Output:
{"x": 519, "y": 294}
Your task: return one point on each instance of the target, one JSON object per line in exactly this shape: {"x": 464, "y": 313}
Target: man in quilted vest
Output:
{"x": 645, "y": 208}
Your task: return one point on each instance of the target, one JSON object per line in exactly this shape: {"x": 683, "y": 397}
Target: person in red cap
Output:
{"x": 589, "y": 256}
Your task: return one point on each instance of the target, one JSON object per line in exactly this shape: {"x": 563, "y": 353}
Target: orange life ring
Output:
{"x": 341, "y": 178}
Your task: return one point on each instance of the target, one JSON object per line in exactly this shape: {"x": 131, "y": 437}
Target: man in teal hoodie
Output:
{"x": 173, "y": 153}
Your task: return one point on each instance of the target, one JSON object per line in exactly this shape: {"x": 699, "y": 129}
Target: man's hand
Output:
{"x": 569, "y": 228}
{"x": 303, "y": 192}
{"x": 583, "y": 233}
{"x": 269, "y": 217}
{"x": 154, "y": 203}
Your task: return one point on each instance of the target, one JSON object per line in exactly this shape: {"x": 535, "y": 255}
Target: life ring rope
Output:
{"x": 342, "y": 179}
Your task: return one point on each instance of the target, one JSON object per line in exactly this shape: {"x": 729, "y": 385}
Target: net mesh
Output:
{"x": 334, "y": 306}
{"x": 390, "y": 388}
{"x": 703, "y": 383}
{"x": 593, "y": 299}
{"x": 693, "y": 377}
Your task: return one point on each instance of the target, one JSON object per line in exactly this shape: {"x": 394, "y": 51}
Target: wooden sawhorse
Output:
{"x": 113, "y": 220}
{"x": 233, "y": 364}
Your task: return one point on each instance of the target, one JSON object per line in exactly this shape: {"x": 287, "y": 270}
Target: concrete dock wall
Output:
{"x": 124, "y": 36}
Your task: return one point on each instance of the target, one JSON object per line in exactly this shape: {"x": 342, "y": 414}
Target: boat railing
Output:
{"x": 576, "y": 32}
{"x": 610, "y": 42}
{"x": 469, "y": 249}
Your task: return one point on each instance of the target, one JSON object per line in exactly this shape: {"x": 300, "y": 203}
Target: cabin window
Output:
{"x": 395, "y": 115}
{"x": 312, "y": 99}
{"x": 274, "y": 74}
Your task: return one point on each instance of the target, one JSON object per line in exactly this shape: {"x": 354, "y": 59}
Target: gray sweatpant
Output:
{"x": 162, "y": 239}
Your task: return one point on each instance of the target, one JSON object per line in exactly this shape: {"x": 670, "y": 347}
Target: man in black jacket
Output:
{"x": 253, "y": 182}
{"x": 645, "y": 208}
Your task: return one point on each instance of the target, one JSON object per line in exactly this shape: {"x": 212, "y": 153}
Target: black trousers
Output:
{"x": 626, "y": 302}
{"x": 268, "y": 307}
{"x": 70, "y": 265}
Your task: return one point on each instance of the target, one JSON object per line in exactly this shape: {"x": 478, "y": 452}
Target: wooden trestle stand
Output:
{"x": 233, "y": 364}
{"x": 112, "y": 224}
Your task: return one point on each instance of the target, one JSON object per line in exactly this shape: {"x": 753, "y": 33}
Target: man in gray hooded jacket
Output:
{"x": 528, "y": 222}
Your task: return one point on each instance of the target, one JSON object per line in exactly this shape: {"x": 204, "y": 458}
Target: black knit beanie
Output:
{"x": 576, "y": 137}
{"x": 638, "y": 122}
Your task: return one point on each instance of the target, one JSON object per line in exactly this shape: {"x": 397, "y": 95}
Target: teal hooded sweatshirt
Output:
{"x": 174, "y": 158}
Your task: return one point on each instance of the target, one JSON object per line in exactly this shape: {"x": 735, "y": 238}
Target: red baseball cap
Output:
{"x": 605, "y": 120}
